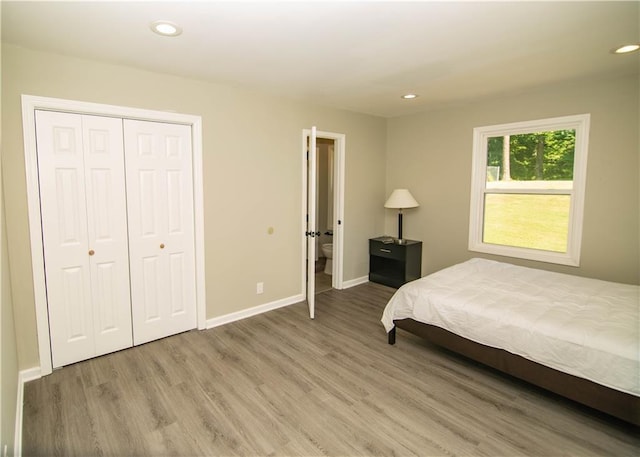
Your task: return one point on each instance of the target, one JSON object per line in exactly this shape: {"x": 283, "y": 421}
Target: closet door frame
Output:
{"x": 32, "y": 103}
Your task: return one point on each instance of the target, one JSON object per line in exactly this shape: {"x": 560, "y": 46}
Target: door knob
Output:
{"x": 91, "y": 252}
{"x": 161, "y": 245}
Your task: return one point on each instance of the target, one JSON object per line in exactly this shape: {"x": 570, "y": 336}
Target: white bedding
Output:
{"x": 585, "y": 327}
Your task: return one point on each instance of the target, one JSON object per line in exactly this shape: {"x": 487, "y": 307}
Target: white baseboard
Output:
{"x": 24, "y": 376}
{"x": 232, "y": 317}
{"x": 355, "y": 282}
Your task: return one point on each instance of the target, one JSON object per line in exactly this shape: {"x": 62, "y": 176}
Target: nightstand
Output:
{"x": 394, "y": 264}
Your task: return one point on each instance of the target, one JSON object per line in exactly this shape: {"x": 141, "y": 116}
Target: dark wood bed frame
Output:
{"x": 618, "y": 404}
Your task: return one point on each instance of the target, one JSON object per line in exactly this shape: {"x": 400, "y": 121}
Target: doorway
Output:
{"x": 325, "y": 150}
{"x": 323, "y": 192}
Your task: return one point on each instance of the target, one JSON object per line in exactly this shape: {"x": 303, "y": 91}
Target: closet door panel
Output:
{"x": 147, "y": 207}
{"x": 180, "y": 224}
{"x": 151, "y": 289}
{"x": 65, "y": 237}
{"x": 178, "y": 304}
{"x": 105, "y": 293}
{"x": 108, "y": 235}
{"x": 161, "y": 232}
{"x": 83, "y": 207}
{"x": 74, "y": 308}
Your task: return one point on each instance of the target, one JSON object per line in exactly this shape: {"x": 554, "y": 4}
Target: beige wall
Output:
{"x": 430, "y": 153}
{"x": 9, "y": 356}
{"x": 252, "y": 153}
{"x": 8, "y": 343}
{"x": 252, "y": 176}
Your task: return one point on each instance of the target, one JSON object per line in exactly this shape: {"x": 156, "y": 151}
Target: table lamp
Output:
{"x": 400, "y": 199}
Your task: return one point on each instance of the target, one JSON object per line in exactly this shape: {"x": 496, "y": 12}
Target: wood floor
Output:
{"x": 323, "y": 281}
{"x": 280, "y": 384}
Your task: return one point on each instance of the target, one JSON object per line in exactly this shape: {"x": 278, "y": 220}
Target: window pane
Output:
{"x": 538, "y": 156}
{"x": 527, "y": 189}
{"x": 527, "y": 221}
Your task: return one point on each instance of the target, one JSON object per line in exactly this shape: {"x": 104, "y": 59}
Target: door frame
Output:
{"x": 339, "y": 139}
{"x": 32, "y": 103}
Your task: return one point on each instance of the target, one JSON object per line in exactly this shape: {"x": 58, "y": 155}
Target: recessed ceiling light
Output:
{"x": 627, "y": 48}
{"x": 409, "y": 96}
{"x": 165, "y": 28}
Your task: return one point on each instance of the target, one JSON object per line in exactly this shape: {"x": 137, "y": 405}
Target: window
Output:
{"x": 527, "y": 189}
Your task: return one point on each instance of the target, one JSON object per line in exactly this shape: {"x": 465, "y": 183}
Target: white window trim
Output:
{"x": 580, "y": 123}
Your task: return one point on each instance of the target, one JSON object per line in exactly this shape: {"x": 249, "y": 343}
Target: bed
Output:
{"x": 575, "y": 336}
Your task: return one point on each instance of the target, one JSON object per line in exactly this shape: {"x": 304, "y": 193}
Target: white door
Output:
{"x": 161, "y": 228}
{"x": 83, "y": 207}
{"x": 312, "y": 230}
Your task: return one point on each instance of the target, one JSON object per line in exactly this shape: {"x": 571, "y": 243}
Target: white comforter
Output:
{"x": 585, "y": 327}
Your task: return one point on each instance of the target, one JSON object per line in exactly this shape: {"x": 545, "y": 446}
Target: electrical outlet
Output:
{"x": 259, "y": 288}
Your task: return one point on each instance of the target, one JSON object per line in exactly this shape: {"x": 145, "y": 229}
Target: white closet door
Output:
{"x": 161, "y": 228}
{"x": 81, "y": 174}
{"x": 107, "y": 226}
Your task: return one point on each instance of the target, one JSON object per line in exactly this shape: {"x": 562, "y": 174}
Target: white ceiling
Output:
{"x": 355, "y": 55}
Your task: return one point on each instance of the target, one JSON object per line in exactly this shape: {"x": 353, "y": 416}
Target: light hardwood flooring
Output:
{"x": 280, "y": 384}
{"x": 323, "y": 282}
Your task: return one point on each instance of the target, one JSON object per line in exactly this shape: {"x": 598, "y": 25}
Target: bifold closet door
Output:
{"x": 161, "y": 228}
{"x": 84, "y": 229}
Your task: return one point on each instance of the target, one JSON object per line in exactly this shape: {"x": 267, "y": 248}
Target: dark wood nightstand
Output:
{"x": 394, "y": 264}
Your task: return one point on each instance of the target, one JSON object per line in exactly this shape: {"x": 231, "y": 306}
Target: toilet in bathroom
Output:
{"x": 327, "y": 250}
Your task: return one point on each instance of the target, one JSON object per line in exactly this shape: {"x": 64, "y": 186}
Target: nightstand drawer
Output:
{"x": 388, "y": 250}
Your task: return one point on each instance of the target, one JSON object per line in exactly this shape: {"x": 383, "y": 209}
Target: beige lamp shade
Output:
{"x": 401, "y": 198}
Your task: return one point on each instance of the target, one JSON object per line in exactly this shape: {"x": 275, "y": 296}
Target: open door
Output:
{"x": 312, "y": 230}
{"x": 309, "y": 222}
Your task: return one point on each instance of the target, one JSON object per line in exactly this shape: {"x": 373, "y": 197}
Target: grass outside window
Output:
{"x": 534, "y": 221}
